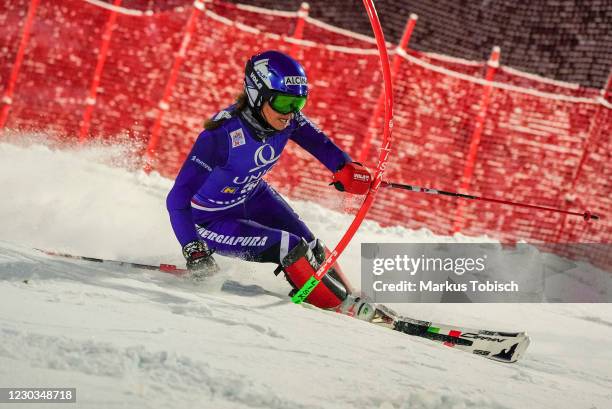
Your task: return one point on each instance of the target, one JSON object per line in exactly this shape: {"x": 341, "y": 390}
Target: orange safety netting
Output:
{"x": 542, "y": 142}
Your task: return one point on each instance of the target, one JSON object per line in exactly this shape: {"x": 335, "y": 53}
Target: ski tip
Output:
{"x": 515, "y": 352}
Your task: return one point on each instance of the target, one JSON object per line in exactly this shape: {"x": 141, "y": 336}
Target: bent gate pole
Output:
{"x": 310, "y": 285}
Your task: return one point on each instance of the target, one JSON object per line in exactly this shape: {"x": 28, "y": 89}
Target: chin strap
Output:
{"x": 257, "y": 123}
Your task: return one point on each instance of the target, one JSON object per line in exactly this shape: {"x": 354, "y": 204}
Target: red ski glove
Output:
{"x": 354, "y": 178}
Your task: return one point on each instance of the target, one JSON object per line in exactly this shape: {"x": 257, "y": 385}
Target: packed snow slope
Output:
{"x": 139, "y": 339}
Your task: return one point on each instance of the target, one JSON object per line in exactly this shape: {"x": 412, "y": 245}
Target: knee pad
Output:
{"x": 299, "y": 265}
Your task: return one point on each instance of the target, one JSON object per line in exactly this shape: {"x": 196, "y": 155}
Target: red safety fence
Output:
{"x": 84, "y": 68}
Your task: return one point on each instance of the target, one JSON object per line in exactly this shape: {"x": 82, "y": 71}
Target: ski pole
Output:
{"x": 587, "y": 215}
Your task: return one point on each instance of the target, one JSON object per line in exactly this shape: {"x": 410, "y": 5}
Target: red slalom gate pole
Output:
{"x": 607, "y": 92}
{"x": 470, "y": 161}
{"x": 7, "y": 98}
{"x": 164, "y": 104}
{"x": 310, "y": 285}
{"x": 595, "y": 129}
{"x": 90, "y": 102}
{"x": 587, "y": 215}
{"x": 298, "y": 33}
{"x": 397, "y": 61}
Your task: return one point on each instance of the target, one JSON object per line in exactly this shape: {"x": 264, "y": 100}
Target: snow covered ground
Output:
{"x": 139, "y": 339}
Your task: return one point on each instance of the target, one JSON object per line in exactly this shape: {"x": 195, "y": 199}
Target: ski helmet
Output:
{"x": 276, "y": 78}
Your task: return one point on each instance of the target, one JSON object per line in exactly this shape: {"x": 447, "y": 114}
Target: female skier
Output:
{"x": 220, "y": 203}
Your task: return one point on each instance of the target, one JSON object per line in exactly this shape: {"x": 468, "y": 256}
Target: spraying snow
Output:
{"x": 127, "y": 337}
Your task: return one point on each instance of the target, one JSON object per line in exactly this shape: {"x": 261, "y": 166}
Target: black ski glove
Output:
{"x": 199, "y": 257}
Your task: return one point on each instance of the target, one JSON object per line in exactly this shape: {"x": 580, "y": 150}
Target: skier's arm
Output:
{"x": 349, "y": 176}
{"x": 204, "y": 156}
{"x": 319, "y": 145}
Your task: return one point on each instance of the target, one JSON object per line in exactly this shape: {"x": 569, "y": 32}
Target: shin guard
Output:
{"x": 299, "y": 265}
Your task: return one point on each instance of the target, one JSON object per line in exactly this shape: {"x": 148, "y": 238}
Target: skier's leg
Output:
{"x": 252, "y": 241}
{"x": 246, "y": 239}
{"x": 269, "y": 208}
{"x": 242, "y": 233}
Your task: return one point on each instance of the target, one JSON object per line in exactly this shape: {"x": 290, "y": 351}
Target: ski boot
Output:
{"x": 357, "y": 307}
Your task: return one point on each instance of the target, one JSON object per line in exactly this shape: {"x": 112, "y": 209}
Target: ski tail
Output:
{"x": 165, "y": 268}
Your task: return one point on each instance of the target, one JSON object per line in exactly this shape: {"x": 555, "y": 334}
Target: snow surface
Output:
{"x": 139, "y": 339}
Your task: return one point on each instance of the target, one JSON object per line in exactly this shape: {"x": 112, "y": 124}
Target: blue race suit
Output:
{"x": 219, "y": 195}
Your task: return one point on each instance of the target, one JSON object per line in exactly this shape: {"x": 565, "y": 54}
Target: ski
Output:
{"x": 496, "y": 345}
{"x": 499, "y": 346}
{"x": 165, "y": 268}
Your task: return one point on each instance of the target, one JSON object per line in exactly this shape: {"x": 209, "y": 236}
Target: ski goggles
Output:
{"x": 285, "y": 104}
